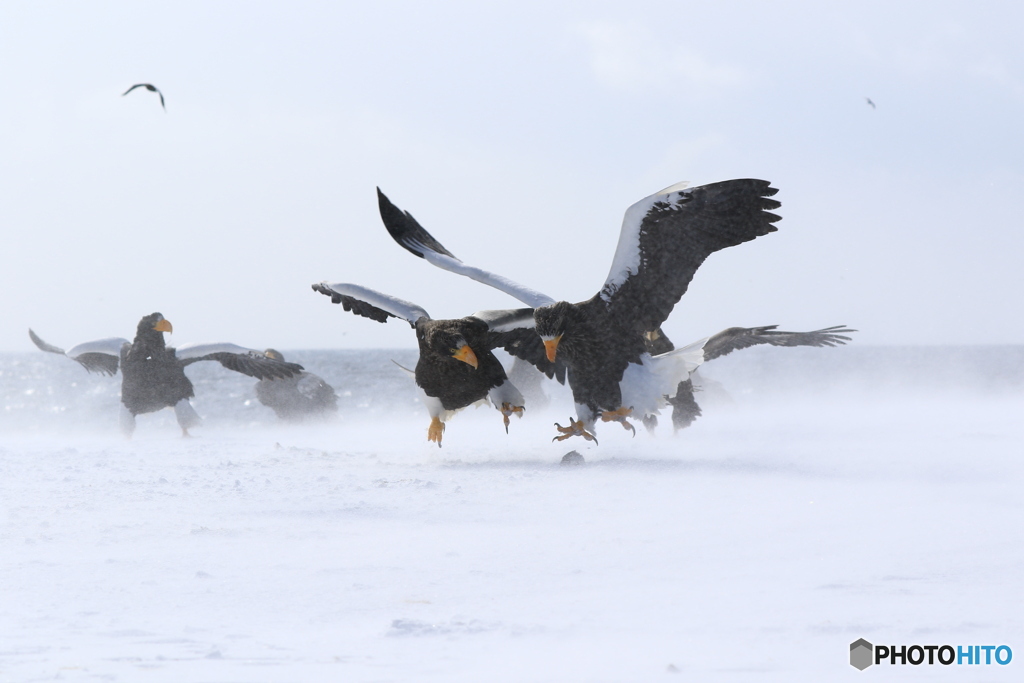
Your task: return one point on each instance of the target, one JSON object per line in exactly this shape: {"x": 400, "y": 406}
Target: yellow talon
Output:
{"x": 619, "y": 416}
{"x": 575, "y": 428}
{"x": 435, "y": 431}
{"x": 508, "y": 409}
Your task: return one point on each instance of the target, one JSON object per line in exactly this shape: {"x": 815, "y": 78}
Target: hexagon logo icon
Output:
{"x": 861, "y": 654}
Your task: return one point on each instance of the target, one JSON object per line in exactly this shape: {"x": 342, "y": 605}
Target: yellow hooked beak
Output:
{"x": 163, "y": 326}
{"x": 551, "y": 346}
{"x": 466, "y": 355}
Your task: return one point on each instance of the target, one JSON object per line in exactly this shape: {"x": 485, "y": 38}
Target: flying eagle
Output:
{"x": 663, "y": 240}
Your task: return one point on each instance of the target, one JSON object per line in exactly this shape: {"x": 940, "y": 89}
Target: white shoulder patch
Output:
{"x": 110, "y": 346}
{"x": 206, "y": 348}
{"x": 627, "y": 253}
{"x": 507, "y": 319}
{"x": 528, "y": 296}
{"x": 400, "y": 308}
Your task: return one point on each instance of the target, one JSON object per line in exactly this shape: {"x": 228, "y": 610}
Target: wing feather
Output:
{"x": 736, "y": 338}
{"x": 102, "y": 355}
{"x": 238, "y": 358}
{"x": 667, "y": 236}
{"x": 369, "y": 303}
{"x": 514, "y": 331}
{"x": 414, "y": 238}
{"x": 42, "y": 345}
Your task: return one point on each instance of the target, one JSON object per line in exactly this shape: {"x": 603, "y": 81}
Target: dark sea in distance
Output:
{"x": 41, "y": 392}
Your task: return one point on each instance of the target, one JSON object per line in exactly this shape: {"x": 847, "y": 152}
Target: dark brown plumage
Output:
{"x": 664, "y": 240}
{"x": 153, "y": 374}
{"x": 301, "y": 397}
{"x": 456, "y": 366}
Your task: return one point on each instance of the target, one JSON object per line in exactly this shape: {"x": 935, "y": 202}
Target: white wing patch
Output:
{"x": 627, "y": 254}
{"x": 528, "y": 296}
{"x": 186, "y": 351}
{"x": 110, "y": 346}
{"x": 507, "y": 320}
{"x": 681, "y": 185}
{"x": 645, "y": 385}
{"x": 405, "y": 310}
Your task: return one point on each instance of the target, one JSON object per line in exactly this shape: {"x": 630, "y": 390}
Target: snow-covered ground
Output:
{"x": 834, "y": 494}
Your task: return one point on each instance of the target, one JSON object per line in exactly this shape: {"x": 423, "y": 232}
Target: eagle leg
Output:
{"x": 435, "y": 431}
{"x": 619, "y": 416}
{"x": 575, "y": 428}
{"x": 508, "y": 409}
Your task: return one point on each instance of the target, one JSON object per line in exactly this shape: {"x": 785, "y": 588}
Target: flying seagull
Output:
{"x": 456, "y": 366}
{"x": 663, "y": 240}
{"x": 303, "y": 396}
{"x": 151, "y": 88}
{"x": 153, "y": 374}
{"x": 868, "y": 99}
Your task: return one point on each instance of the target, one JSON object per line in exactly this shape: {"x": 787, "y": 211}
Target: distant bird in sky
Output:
{"x": 152, "y": 88}
{"x": 868, "y": 100}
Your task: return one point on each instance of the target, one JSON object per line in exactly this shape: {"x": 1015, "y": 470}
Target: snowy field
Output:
{"x": 829, "y": 495}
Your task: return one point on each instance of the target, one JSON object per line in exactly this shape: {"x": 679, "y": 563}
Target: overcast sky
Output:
{"x": 517, "y": 133}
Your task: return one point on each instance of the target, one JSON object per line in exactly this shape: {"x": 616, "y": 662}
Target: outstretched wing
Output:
{"x": 102, "y": 355}
{"x": 42, "y": 345}
{"x": 513, "y": 330}
{"x": 370, "y": 303}
{"x": 410, "y": 234}
{"x": 735, "y": 338}
{"x": 137, "y": 85}
{"x": 667, "y": 236}
{"x": 238, "y": 358}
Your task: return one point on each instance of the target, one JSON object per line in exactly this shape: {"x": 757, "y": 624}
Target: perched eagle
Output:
{"x": 303, "y": 396}
{"x": 153, "y": 374}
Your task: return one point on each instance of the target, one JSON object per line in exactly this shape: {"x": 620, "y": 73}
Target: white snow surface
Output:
{"x": 833, "y": 494}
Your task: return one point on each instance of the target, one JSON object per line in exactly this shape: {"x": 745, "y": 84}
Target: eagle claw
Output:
{"x": 435, "y": 431}
{"x": 575, "y": 428}
{"x": 619, "y": 416}
{"x": 508, "y": 409}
